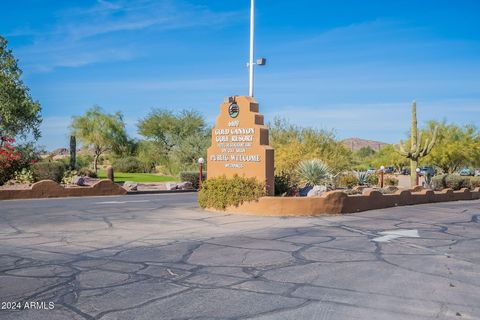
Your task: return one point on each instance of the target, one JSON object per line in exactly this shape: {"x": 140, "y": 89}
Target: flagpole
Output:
{"x": 252, "y": 33}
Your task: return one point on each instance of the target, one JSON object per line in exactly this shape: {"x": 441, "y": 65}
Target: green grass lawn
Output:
{"x": 136, "y": 177}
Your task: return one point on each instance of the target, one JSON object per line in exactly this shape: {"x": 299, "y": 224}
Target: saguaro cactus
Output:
{"x": 416, "y": 150}
{"x": 73, "y": 152}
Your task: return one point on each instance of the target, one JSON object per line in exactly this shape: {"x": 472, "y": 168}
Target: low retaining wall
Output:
{"x": 335, "y": 202}
{"x": 51, "y": 189}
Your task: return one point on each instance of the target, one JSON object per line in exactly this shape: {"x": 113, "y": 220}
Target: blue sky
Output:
{"x": 352, "y": 66}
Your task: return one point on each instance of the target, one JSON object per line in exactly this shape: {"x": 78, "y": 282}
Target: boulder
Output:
{"x": 78, "y": 180}
{"x": 171, "y": 186}
{"x": 186, "y": 185}
{"x": 317, "y": 191}
{"x": 130, "y": 186}
{"x": 303, "y": 192}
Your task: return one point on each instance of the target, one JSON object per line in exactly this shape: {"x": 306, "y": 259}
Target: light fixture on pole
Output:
{"x": 382, "y": 171}
{"x": 251, "y": 63}
{"x": 418, "y": 175}
{"x": 200, "y": 176}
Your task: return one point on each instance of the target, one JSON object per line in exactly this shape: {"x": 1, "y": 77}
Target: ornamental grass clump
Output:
{"x": 222, "y": 192}
{"x": 314, "y": 172}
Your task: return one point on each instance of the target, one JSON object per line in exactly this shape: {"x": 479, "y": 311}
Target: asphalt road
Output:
{"x": 161, "y": 257}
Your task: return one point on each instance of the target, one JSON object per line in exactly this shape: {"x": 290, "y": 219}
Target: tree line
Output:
{"x": 173, "y": 141}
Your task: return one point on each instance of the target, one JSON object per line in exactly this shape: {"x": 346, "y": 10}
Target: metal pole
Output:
{"x": 252, "y": 32}
{"x": 200, "y": 177}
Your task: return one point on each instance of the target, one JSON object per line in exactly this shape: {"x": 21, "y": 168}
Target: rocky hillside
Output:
{"x": 61, "y": 153}
{"x": 355, "y": 144}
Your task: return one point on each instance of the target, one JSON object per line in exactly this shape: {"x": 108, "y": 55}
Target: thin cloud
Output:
{"x": 156, "y": 85}
{"x": 82, "y": 36}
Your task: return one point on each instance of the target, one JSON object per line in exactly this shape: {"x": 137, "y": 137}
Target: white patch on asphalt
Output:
{"x": 120, "y": 202}
{"x": 394, "y": 234}
{"x": 171, "y": 273}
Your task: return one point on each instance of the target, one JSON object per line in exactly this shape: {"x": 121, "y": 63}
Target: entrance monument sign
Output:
{"x": 240, "y": 143}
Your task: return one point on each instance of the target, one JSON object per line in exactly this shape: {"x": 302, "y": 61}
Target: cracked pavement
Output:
{"x": 161, "y": 257}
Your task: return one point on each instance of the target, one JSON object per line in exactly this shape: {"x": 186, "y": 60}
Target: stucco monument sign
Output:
{"x": 240, "y": 143}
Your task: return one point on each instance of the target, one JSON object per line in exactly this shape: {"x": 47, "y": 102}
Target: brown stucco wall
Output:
{"x": 335, "y": 202}
{"x": 51, "y": 189}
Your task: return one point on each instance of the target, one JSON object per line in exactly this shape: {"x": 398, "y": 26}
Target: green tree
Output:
{"x": 365, "y": 152}
{"x": 169, "y": 129}
{"x": 293, "y": 144}
{"x": 190, "y": 149}
{"x": 175, "y": 140}
{"x": 388, "y": 156}
{"x": 19, "y": 113}
{"x": 127, "y": 149}
{"x": 456, "y": 146}
{"x": 100, "y": 132}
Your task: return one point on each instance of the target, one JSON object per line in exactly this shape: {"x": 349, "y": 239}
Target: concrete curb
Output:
{"x": 159, "y": 192}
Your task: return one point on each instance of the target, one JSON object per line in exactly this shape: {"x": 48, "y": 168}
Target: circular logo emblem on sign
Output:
{"x": 233, "y": 110}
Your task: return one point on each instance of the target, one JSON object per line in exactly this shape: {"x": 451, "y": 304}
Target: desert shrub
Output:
{"x": 360, "y": 167}
{"x": 192, "y": 176}
{"x": 51, "y": 170}
{"x": 24, "y": 176}
{"x": 372, "y": 179}
{"x": 128, "y": 164}
{"x": 474, "y": 182}
{"x": 438, "y": 182}
{"x": 87, "y": 172}
{"x": 349, "y": 180}
{"x": 456, "y": 182}
{"x": 84, "y": 161}
{"x": 222, "y": 192}
{"x": 6, "y": 173}
{"x": 314, "y": 172}
{"x": 10, "y": 158}
{"x": 285, "y": 185}
{"x": 68, "y": 176}
{"x": 390, "y": 181}
{"x": 388, "y": 190}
